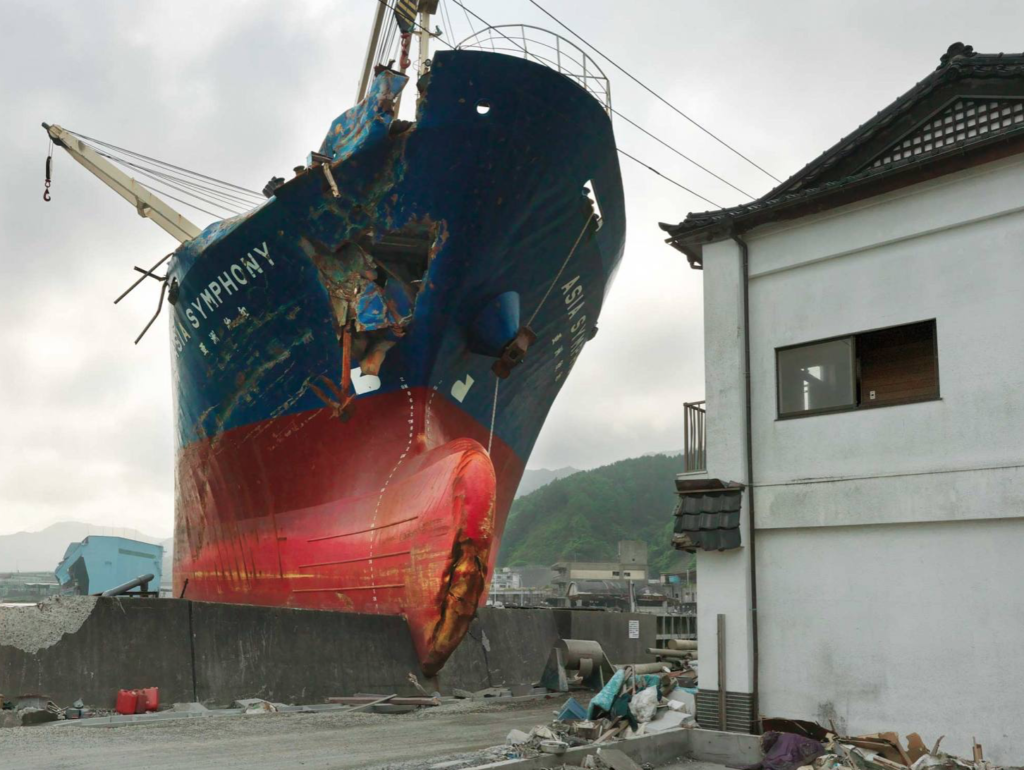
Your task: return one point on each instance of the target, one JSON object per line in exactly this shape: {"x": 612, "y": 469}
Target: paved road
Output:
{"x": 268, "y": 741}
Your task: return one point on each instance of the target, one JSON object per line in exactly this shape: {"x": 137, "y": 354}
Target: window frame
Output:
{"x": 859, "y": 403}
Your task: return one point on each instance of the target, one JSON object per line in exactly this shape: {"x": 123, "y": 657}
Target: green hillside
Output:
{"x": 583, "y": 516}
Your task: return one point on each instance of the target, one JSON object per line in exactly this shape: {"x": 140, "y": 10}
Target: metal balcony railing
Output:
{"x": 549, "y": 49}
{"x": 695, "y": 457}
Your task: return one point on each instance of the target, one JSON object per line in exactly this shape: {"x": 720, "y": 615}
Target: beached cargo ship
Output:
{"x": 363, "y": 363}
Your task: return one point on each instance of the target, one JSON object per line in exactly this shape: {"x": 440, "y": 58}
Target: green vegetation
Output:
{"x": 582, "y": 517}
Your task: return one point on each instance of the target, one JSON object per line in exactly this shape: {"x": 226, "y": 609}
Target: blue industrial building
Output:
{"x": 100, "y": 563}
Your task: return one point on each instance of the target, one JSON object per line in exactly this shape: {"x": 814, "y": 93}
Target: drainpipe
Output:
{"x": 745, "y": 253}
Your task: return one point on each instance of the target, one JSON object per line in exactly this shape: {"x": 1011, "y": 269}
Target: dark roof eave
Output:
{"x": 691, "y": 241}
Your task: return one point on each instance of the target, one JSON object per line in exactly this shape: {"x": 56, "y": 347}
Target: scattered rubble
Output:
{"x": 790, "y": 744}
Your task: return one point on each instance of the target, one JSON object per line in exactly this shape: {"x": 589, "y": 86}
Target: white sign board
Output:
{"x": 634, "y": 629}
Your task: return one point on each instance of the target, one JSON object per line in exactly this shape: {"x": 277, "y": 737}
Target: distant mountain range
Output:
{"x": 42, "y": 551}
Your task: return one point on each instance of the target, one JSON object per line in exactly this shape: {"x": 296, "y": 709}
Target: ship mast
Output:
{"x": 145, "y": 202}
{"x": 427, "y": 7}
{"x": 405, "y": 19}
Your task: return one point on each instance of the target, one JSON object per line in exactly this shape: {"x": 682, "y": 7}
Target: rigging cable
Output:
{"x": 218, "y": 198}
{"x": 649, "y": 90}
{"x": 166, "y": 165}
{"x": 387, "y": 38}
{"x": 199, "y": 191}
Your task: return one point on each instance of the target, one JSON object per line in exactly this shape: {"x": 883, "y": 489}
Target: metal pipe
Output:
{"x": 681, "y": 644}
{"x": 141, "y": 580}
{"x": 665, "y": 652}
{"x": 723, "y": 715}
{"x": 645, "y": 668}
{"x": 751, "y": 534}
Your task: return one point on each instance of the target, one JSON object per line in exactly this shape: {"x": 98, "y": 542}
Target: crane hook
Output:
{"x": 49, "y": 167}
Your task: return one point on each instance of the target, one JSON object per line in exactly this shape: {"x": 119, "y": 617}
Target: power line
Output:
{"x": 680, "y": 154}
{"x": 650, "y": 90}
{"x": 669, "y": 179}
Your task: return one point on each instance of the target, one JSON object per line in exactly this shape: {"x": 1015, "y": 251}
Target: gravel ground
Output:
{"x": 343, "y": 741}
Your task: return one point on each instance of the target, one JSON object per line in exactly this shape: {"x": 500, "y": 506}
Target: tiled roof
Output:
{"x": 707, "y": 516}
{"x": 873, "y": 149}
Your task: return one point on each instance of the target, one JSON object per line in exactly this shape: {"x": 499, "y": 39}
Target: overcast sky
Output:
{"x": 243, "y": 90}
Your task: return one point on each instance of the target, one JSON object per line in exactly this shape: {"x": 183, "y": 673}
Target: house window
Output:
{"x": 898, "y": 365}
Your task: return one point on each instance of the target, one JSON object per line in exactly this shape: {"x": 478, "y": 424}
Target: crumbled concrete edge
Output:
{"x": 37, "y": 627}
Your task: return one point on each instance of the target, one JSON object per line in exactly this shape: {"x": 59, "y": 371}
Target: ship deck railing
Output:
{"x": 545, "y": 47}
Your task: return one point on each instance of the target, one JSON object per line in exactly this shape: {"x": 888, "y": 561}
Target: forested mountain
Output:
{"x": 583, "y": 516}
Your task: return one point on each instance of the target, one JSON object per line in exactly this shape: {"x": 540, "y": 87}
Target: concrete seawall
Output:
{"x": 216, "y": 653}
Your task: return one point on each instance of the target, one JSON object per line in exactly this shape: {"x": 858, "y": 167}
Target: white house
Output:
{"x": 860, "y": 521}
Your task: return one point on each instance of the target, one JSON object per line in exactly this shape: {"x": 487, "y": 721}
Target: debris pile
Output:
{"x": 27, "y": 710}
{"x": 628, "y": 706}
{"x": 792, "y": 744}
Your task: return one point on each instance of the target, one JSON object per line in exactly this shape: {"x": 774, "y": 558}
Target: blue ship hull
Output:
{"x": 343, "y": 440}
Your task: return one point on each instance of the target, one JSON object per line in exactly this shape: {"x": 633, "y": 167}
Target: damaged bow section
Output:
{"x": 373, "y": 282}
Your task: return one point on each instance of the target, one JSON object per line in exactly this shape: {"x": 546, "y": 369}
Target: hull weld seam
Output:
{"x": 362, "y": 531}
{"x": 348, "y": 588}
{"x": 353, "y": 561}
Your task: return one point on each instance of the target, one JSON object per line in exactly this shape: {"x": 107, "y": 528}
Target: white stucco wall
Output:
{"x": 906, "y": 627}
{"x": 724, "y": 586}
{"x": 889, "y": 573}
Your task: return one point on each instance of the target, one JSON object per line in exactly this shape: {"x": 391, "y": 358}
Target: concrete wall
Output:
{"x": 221, "y": 652}
{"x": 611, "y": 629}
{"x": 503, "y": 647}
{"x": 122, "y": 644}
{"x": 883, "y": 556}
{"x": 297, "y": 656}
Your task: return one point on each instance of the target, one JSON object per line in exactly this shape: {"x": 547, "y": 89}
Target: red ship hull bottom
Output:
{"x": 397, "y": 511}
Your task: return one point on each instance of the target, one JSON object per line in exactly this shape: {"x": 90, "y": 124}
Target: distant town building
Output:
{"x": 630, "y": 565}
{"x": 858, "y": 528}
{"x": 523, "y": 586}
{"x": 600, "y": 584}
{"x": 100, "y": 563}
{"x": 26, "y": 587}
{"x": 504, "y": 579}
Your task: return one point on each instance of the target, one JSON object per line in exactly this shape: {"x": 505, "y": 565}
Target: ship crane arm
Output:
{"x": 145, "y": 202}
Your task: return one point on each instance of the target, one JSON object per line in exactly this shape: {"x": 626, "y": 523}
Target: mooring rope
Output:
{"x": 562, "y": 268}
